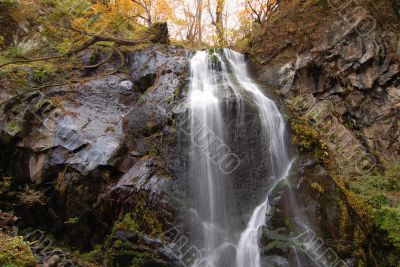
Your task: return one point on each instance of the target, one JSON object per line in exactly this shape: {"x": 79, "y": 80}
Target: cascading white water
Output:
{"x": 210, "y": 186}
{"x": 273, "y": 126}
{"x": 213, "y": 77}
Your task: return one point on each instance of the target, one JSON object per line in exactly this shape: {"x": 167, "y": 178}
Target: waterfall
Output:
{"x": 273, "y": 126}
{"x": 216, "y": 77}
{"x": 211, "y": 186}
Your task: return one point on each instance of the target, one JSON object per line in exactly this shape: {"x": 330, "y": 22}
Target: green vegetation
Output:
{"x": 14, "y": 251}
{"x": 122, "y": 252}
{"x": 43, "y": 73}
{"x": 380, "y": 191}
{"x": 95, "y": 255}
{"x": 14, "y": 126}
{"x": 126, "y": 223}
{"x": 308, "y": 140}
{"x": 5, "y": 184}
{"x": 71, "y": 221}
{"x": 9, "y": 3}
{"x": 151, "y": 127}
{"x": 344, "y": 216}
{"x": 317, "y": 187}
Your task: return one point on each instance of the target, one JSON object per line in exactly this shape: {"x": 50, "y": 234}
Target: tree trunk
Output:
{"x": 219, "y": 22}
{"x": 199, "y": 21}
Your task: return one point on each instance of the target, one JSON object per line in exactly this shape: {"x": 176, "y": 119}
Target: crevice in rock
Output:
{"x": 146, "y": 82}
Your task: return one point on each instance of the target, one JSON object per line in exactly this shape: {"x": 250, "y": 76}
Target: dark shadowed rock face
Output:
{"x": 84, "y": 155}
{"x": 350, "y": 83}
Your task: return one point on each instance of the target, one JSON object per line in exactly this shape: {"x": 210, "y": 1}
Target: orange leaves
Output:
{"x": 164, "y": 11}
{"x": 116, "y": 16}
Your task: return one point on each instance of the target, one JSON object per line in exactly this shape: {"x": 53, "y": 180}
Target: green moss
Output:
{"x": 9, "y": 3}
{"x": 151, "y": 126}
{"x": 126, "y": 223}
{"x": 122, "y": 247}
{"x": 317, "y": 187}
{"x": 14, "y": 126}
{"x": 43, "y": 73}
{"x": 344, "y": 217}
{"x": 308, "y": 140}
{"x": 122, "y": 252}
{"x": 92, "y": 256}
{"x": 106, "y": 43}
{"x": 214, "y": 58}
{"x": 392, "y": 177}
{"x": 5, "y": 184}
{"x": 72, "y": 221}
{"x": 358, "y": 204}
{"x": 14, "y": 251}
{"x": 149, "y": 221}
{"x": 94, "y": 58}
{"x": 182, "y": 87}
{"x": 125, "y": 69}
{"x": 388, "y": 221}
{"x": 380, "y": 191}
{"x": 359, "y": 240}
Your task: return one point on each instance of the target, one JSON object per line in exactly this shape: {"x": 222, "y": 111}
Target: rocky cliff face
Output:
{"x": 340, "y": 75}
{"x": 83, "y": 156}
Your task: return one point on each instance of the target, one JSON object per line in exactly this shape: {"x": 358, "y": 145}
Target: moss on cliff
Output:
{"x": 308, "y": 139}
{"x": 380, "y": 191}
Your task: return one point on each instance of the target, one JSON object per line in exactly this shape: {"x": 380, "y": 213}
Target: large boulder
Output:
{"x": 94, "y": 151}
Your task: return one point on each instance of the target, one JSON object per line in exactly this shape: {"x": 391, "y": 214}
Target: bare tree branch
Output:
{"x": 254, "y": 12}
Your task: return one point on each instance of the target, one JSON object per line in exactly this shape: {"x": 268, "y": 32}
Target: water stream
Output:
{"x": 216, "y": 77}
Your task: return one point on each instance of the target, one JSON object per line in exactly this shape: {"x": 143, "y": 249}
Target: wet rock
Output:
{"x": 276, "y": 261}
{"x": 52, "y": 262}
{"x": 110, "y": 143}
{"x": 160, "y": 72}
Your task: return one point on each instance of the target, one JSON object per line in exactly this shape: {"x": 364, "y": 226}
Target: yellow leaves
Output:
{"x": 164, "y": 11}
{"x": 80, "y": 22}
{"x": 317, "y": 187}
{"x": 97, "y": 8}
{"x": 100, "y": 17}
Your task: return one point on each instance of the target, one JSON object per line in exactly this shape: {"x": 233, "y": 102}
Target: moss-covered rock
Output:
{"x": 15, "y": 252}
{"x": 308, "y": 139}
